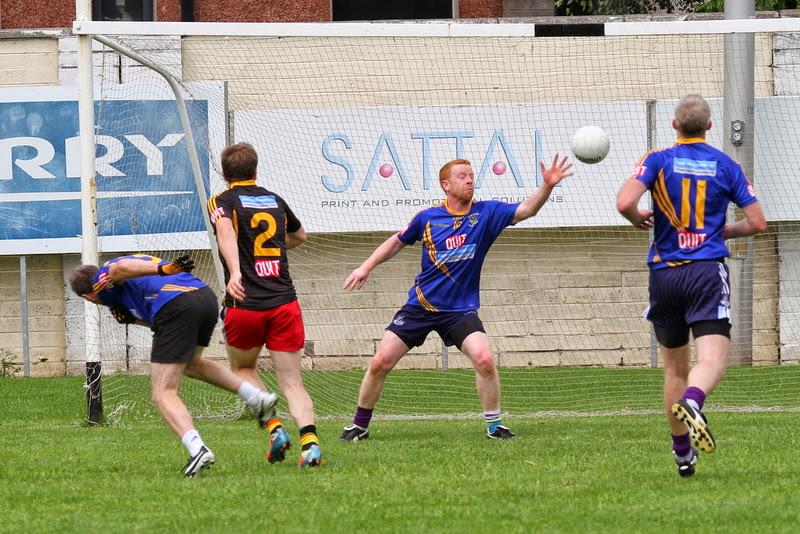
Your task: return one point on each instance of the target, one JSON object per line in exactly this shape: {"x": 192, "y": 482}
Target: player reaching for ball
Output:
{"x": 181, "y": 311}
{"x": 455, "y": 236}
{"x": 691, "y": 184}
{"x": 254, "y": 229}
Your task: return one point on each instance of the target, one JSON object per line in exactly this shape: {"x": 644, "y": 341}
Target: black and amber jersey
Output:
{"x": 261, "y": 220}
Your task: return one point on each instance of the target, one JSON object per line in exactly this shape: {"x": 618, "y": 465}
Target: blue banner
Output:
{"x": 145, "y": 183}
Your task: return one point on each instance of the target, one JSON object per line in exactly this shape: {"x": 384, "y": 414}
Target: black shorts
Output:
{"x": 683, "y": 295}
{"x": 412, "y": 324}
{"x": 183, "y": 324}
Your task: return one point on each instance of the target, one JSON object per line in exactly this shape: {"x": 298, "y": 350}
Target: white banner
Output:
{"x": 372, "y": 169}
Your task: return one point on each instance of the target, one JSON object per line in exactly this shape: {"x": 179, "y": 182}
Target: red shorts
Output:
{"x": 278, "y": 329}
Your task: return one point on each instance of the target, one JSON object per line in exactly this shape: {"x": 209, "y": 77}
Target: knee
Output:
{"x": 161, "y": 396}
{"x": 381, "y": 365}
{"x": 157, "y": 398}
{"x": 484, "y": 363}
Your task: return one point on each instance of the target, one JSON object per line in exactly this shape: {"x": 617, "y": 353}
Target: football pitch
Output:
{"x": 565, "y": 474}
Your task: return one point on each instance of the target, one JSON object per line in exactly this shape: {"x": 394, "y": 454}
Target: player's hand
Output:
{"x": 235, "y": 287}
{"x": 122, "y": 314}
{"x": 356, "y": 280}
{"x": 178, "y": 265}
{"x": 556, "y": 172}
{"x": 645, "y": 220}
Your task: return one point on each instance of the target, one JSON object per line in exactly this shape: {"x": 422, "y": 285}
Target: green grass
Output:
{"x": 566, "y": 474}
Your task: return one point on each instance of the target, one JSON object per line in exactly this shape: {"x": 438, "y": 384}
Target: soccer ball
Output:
{"x": 590, "y": 144}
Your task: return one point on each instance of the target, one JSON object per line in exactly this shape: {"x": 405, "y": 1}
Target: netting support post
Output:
{"x": 652, "y": 142}
{"x": 23, "y": 289}
{"x": 738, "y": 128}
{"x": 94, "y": 393}
{"x": 190, "y": 146}
{"x": 89, "y": 248}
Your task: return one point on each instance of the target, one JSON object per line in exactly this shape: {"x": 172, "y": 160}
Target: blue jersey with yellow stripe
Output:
{"x": 692, "y": 184}
{"x": 146, "y": 295}
{"x": 454, "y": 245}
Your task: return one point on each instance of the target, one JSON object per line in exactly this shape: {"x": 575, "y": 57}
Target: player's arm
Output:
{"x": 628, "y": 204}
{"x": 384, "y": 252}
{"x": 229, "y": 250}
{"x": 296, "y": 238}
{"x": 127, "y": 268}
{"x": 550, "y": 178}
{"x": 753, "y": 223}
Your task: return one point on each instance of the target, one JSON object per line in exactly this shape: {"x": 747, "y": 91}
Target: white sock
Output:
{"x": 693, "y": 404}
{"x": 192, "y": 441}
{"x": 249, "y": 393}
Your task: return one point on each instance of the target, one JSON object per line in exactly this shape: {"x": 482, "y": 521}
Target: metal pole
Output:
{"x": 651, "y": 143}
{"x": 89, "y": 252}
{"x": 738, "y": 125}
{"x": 23, "y": 287}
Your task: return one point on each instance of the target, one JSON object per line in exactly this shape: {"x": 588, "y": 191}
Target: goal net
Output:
{"x": 352, "y": 123}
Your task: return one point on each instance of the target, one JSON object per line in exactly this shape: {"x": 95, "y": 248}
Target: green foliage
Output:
{"x": 7, "y": 365}
{"x": 621, "y": 7}
{"x": 565, "y": 474}
{"x": 634, "y": 7}
{"x": 718, "y": 6}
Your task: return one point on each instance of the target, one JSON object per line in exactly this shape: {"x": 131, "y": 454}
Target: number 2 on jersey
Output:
{"x": 258, "y": 243}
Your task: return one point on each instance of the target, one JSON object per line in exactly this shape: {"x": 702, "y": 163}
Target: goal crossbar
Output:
{"x": 431, "y": 29}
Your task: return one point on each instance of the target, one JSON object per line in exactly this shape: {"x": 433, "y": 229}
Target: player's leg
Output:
{"x": 666, "y": 312}
{"x": 175, "y": 336}
{"x": 244, "y": 363}
{"x": 707, "y": 312}
{"x": 290, "y": 381}
{"x": 711, "y": 342}
{"x": 284, "y": 336}
{"x": 476, "y": 347}
{"x": 712, "y": 359}
{"x": 244, "y": 336}
{"x": 216, "y": 374}
{"x": 212, "y": 372}
{"x": 391, "y": 349}
{"x": 676, "y": 374}
{"x": 166, "y": 379}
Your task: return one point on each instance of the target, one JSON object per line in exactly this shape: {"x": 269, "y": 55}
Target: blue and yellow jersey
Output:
{"x": 146, "y": 295}
{"x": 454, "y": 245}
{"x": 692, "y": 184}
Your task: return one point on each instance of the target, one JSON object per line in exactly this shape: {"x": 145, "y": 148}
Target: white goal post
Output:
{"x": 353, "y": 120}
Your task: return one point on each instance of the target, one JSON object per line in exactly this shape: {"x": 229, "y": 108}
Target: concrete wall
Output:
{"x": 46, "y": 317}
{"x": 556, "y": 70}
{"x": 28, "y": 61}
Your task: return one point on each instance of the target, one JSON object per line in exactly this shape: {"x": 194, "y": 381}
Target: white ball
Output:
{"x": 590, "y": 144}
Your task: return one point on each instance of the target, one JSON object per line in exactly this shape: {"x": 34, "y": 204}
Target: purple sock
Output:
{"x": 363, "y": 417}
{"x": 695, "y": 394}
{"x": 681, "y": 444}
